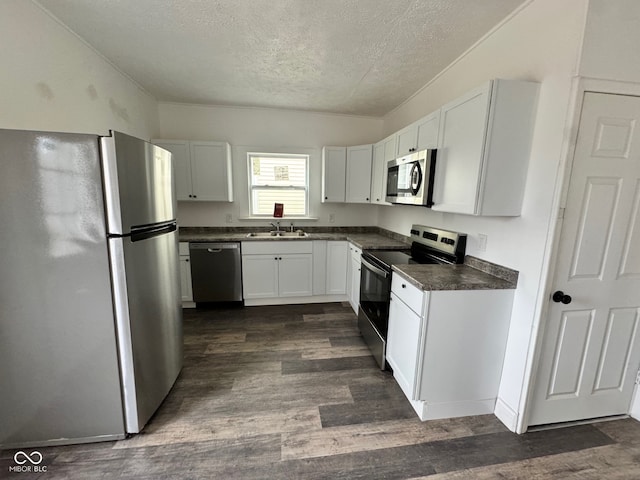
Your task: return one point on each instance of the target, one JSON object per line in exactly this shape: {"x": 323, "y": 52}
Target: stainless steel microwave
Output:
{"x": 410, "y": 179}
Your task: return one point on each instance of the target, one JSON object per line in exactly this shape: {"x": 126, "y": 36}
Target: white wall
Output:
{"x": 268, "y": 130}
{"x": 612, "y": 36}
{"x": 541, "y": 43}
{"x": 53, "y": 81}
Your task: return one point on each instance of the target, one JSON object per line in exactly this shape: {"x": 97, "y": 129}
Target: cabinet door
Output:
{"x": 407, "y": 140}
{"x": 211, "y": 171}
{"x": 334, "y": 164}
{"x": 337, "y": 260}
{"x": 359, "y": 174}
{"x": 460, "y": 152}
{"x": 181, "y": 166}
{"x": 185, "y": 279}
{"x": 403, "y": 341}
{"x": 295, "y": 275}
{"x": 377, "y": 177}
{"x": 427, "y": 131}
{"x": 260, "y": 276}
{"x": 390, "y": 150}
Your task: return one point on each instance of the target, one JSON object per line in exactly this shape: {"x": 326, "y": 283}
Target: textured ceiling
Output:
{"x": 345, "y": 56}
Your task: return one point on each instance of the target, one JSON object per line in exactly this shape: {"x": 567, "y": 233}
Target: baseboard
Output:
{"x": 253, "y": 302}
{"x": 435, "y": 411}
{"x": 188, "y": 304}
{"x": 506, "y": 415}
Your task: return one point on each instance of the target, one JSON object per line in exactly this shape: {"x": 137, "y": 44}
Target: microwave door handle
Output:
{"x": 375, "y": 269}
{"x": 416, "y": 178}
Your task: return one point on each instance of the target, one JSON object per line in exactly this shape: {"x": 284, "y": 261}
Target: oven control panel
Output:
{"x": 446, "y": 241}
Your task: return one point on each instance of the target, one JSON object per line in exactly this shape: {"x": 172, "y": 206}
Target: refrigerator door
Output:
{"x": 139, "y": 185}
{"x": 59, "y": 378}
{"x": 146, "y": 283}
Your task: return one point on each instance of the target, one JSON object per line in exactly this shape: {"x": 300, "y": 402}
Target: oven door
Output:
{"x": 375, "y": 291}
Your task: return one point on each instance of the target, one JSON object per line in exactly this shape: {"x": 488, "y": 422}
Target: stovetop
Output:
{"x": 430, "y": 246}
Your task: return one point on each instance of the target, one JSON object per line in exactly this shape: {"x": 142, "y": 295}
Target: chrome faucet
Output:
{"x": 292, "y": 227}
{"x": 276, "y": 226}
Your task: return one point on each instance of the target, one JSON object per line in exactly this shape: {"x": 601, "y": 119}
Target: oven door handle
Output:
{"x": 375, "y": 269}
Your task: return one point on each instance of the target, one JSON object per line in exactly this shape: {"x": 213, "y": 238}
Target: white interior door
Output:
{"x": 591, "y": 350}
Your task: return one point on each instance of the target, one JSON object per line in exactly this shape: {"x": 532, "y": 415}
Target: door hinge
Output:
{"x": 638, "y": 377}
{"x": 561, "y": 213}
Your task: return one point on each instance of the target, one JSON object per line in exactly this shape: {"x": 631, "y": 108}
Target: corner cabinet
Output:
{"x": 359, "y": 174}
{"x": 202, "y": 169}
{"x": 447, "y": 347}
{"x": 346, "y": 174}
{"x": 483, "y": 149}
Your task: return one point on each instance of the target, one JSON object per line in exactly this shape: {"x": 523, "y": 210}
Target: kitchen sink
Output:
{"x": 276, "y": 234}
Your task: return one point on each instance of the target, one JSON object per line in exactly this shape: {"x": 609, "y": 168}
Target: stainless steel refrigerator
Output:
{"x": 90, "y": 316}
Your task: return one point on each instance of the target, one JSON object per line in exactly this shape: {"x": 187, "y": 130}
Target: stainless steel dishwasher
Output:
{"x": 216, "y": 272}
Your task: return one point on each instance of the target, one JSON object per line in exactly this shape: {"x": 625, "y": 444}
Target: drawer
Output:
{"x": 411, "y": 295}
{"x": 183, "y": 248}
{"x": 277, "y": 247}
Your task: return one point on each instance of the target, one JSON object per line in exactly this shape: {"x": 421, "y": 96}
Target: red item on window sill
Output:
{"x": 278, "y": 210}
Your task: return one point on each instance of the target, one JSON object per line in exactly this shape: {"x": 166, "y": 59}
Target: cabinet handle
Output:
{"x": 326, "y": 198}
{"x": 404, "y": 286}
{"x": 275, "y": 258}
{"x": 195, "y": 196}
{"x": 367, "y": 199}
{"x": 186, "y": 259}
{"x": 279, "y": 258}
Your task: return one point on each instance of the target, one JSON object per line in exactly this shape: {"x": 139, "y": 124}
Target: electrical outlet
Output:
{"x": 482, "y": 242}
{"x": 229, "y": 218}
{"x": 332, "y": 218}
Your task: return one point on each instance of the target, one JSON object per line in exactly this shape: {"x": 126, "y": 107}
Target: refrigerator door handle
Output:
{"x": 150, "y": 232}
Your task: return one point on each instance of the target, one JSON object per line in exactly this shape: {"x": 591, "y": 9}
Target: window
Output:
{"x": 278, "y": 178}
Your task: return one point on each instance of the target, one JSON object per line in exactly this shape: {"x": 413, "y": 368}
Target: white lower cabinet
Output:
{"x": 277, "y": 269}
{"x": 337, "y": 260}
{"x": 447, "y": 348}
{"x": 403, "y": 339}
{"x": 353, "y": 276}
{"x": 185, "y": 274}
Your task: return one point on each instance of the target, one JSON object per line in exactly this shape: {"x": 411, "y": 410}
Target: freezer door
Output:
{"x": 59, "y": 378}
{"x": 139, "y": 184}
{"x": 146, "y": 282}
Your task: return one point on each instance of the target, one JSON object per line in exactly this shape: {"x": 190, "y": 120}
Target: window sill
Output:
{"x": 280, "y": 219}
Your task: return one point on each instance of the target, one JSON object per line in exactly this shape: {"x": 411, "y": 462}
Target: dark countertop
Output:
{"x": 452, "y": 277}
{"x": 363, "y": 240}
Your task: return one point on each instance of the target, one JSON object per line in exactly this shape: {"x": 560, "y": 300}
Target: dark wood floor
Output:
{"x": 291, "y": 392}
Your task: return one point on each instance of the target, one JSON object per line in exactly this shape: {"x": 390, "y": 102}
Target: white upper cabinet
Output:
{"x": 202, "y": 169}
{"x": 419, "y": 135}
{"x": 181, "y": 166}
{"x": 377, "y": 175}
{"x": 334, "y": 171}
{"x": 383, "y": 152}
{"x": 483, "y": 149}
{"x": 359, "y": 174}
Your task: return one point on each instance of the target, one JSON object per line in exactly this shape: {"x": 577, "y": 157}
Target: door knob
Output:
{"x": 560, "y": 297}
